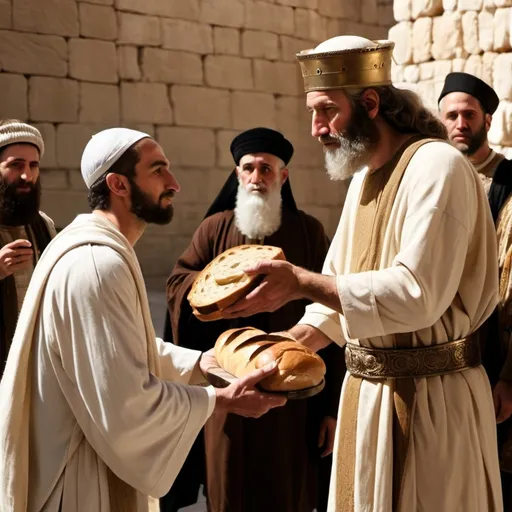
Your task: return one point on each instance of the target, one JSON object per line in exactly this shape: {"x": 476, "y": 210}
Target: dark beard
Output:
{"x": 148, "y": 211}
{"x": 19, "y": 208}
{"x": 475, "y": 141}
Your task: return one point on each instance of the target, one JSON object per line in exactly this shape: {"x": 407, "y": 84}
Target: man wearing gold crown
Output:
{"x": 410, "y": 277}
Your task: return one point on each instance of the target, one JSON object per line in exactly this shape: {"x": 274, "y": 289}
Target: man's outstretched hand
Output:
{"x": 280, "y": 285}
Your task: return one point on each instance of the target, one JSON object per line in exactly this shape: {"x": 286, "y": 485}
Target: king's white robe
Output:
{"x": 102, "y": 391}
{"x": 438, "y": 279}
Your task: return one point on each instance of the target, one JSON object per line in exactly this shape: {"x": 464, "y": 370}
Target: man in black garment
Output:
{"x": 274, "y": 463}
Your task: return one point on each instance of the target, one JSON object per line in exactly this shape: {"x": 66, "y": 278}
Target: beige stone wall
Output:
{"x": 193, "y": 73}
{"x": 435, "y": 37}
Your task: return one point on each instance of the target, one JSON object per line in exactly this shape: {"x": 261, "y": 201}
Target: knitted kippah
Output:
{"x": 16, "y": 133}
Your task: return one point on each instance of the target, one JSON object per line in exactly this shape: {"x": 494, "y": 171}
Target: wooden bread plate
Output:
{"x": 219, "y": 378}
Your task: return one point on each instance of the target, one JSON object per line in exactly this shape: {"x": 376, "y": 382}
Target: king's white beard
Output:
{"x": 344, "y": 161}
{"x": 258, "y": 215}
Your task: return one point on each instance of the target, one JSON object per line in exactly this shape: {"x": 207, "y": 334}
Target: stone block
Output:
{"x": 412, "y": 73}
{"x": 187, "y": 147}
{"x": 139, "y": 30}
{"x": 228, "y": 72}
{"x": 422, "y": 40}
{"x": 14, "y": 104}
{"x": 250, "y": 109}
{"x": 488, "y": 59}
{"x": 224, "y": 157}
{"x": 385, "y": 16}
{"x": 310, "y": 25}
{"x": 263, "y": 45}
{"x": 421, "y": 8}
{"x": 217, "y": 177}
{"x": 71, "y": 141}
{"x": 230, "y": 13}
{"x": 145, "y": 103}
{"x": 485, "y": 31}
{"x": 401, "y": 33}
{"x": 473, "y": 65}
{"x": 470, "y": 32}
{"x": 287, "y": 115}
{"x": 226, "y": 41}
{"x": 50, "y": 144}
{"x": 53, "y": 99}
{"x": 469, "y": 5}
{"x": 325, "y": 192}
{"x": 344, "y": 10}
{"x": 449, "y": 5}
{"x": 307, "y": 4}
{"x": 98, "y": 21}
{"x": 501, "y": 76}
{"x": 458, "y": 65}
{"x": 277, "y": 77}
{"x": 171, "y": 66}
{"x": 501, "y": 126}
{"x": 187, "y": 10}
{"x": 502, "y": 30}
{"x": 201, "y": 106}
{"x": 62, "y": 206}
{"x": 427, "y": 93}
{"x": 446, "y": 36}
{"x": 435, "y": 69}
{"x": 33, "y": 54}
{"x": 290, "y": 46}
{"x": 369, "y": 12}
{"x": 5, "y": 14}
{"x": 93, "y": 60}
{"x": 56, "y": 17}
{"x": 397, "y": 72}
{"x": 128, "y": 63}
{"x": 402, "y": 10}
{"x": 270, "y": 18}
{"x": 54, "y": 179}
{"x": 191, "y": 193}
{"x": 187, "y": 35}
{"x": 99, "y": 103}
{"x": 502, "y": 3}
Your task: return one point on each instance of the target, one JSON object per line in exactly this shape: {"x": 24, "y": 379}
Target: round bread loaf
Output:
{"x": 222, "y": 282}
{"x": 240, "y": 351}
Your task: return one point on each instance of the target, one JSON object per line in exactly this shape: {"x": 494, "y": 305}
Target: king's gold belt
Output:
{"x": 379, "y": 363}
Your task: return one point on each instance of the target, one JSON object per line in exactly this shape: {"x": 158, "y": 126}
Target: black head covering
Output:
{"x": 261, "y": 140}
{"x": 257, "y": 140}
{"x": 464, "y": 82}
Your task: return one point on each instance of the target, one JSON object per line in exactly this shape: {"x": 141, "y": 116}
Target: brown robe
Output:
{"x": 269, "y": 464}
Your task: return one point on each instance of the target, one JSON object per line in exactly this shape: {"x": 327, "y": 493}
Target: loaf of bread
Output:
{"x": 240, "y": 351}
{"x": 223, "y": 281}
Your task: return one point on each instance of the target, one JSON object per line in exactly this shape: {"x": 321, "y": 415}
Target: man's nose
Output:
{"x": 256, "y": 176}
{"x": 173, "y": 183}
{"x": 319, "y": 125}
{"x": 27, "y": 174}
{"x": 461, "y": 123}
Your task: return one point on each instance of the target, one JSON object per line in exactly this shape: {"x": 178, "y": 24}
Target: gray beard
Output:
{"x": 256, "y": 215}
{"x": 344, "y": 161}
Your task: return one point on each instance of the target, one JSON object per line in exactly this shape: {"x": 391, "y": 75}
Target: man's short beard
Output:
{"x": 19, "y": 208}
{"x": 475, "y": 142}
{"x": 258, "y": 215}
{"x": 146, "y": 209}
{"x": 354, "y": 148}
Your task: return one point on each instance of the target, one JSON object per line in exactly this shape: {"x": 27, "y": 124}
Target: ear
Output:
{"x": 284, "y": 175}
{"x": 488, "y": 121}
{"x": 371, "y": 102}
{"x": 237, "y": 170}
{"x": 118, "y": 184}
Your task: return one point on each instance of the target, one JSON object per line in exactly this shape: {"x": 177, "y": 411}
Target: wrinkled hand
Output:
{"x": 326, "y": 435}
{"x": 14, "y": 257}
{"x": 241, "y": 397}
{"x": 280, "y": 285}
{"x": 502, "y": 396}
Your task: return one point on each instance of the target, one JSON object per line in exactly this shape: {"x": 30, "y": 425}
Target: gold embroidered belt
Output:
{"x": 383, "y": 363}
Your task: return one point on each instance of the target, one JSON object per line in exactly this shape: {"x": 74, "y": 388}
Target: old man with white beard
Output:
{"x": 280, "y": 453}
{"x": 410, "y": 277}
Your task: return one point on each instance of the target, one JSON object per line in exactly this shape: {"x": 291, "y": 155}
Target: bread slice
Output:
{"x": 223, "y": 281}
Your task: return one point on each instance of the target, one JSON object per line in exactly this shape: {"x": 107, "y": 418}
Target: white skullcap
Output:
{"x": 104, "y": 149}
{"x": 16, "y": 132}
{"x": 338, "y": 43}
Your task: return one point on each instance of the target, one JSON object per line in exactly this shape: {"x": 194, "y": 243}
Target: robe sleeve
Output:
{"x": 141, "y": 426}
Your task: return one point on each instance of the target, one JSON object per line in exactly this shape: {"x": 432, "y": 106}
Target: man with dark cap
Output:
{"x": 467, "y": 105}
{"x": 273, "y": 463}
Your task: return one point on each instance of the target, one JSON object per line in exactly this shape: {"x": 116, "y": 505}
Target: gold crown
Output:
{"x": 361, "y": 67}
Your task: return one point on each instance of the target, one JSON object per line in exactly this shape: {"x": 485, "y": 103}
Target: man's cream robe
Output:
{"x": 438, "y": 278}
{"x": 88, "y": 389}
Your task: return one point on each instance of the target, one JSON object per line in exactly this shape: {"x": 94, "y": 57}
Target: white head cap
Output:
{"x": 17, "y": 132}
{"x": 105, "y": 149}
{"x": 340, "y": 43}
